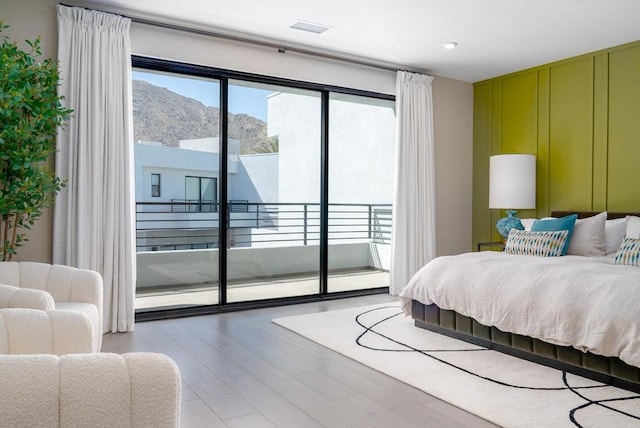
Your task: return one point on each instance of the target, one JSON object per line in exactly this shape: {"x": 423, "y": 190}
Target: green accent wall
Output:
{"x": 580, "y": 117}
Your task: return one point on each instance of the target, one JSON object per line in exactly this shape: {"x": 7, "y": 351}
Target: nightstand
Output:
{"x": 497, "y": 244}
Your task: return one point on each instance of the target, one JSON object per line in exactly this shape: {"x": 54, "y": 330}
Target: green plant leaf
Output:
{"x": 31, "y": 113}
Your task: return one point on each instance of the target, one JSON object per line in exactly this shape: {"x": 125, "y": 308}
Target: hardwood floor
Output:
{"x": 240, "y": 370}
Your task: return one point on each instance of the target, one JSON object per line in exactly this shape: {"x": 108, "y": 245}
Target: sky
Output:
{"x": 241, "y": 100}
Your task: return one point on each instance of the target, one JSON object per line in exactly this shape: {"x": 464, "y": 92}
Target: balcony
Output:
{"x": 273, "y": 250}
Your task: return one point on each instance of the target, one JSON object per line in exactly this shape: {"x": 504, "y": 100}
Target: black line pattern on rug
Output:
{"x": 369, "y": 329}
{"x": 426, "y": 353}
{"x": 590, "y": 402}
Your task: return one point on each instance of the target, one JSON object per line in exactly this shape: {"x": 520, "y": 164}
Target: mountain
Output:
{"x": 165, "y": 116}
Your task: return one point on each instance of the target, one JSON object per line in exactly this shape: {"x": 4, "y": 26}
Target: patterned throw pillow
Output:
{"x": 628, "y": 253}
{"x": 543, "y": 244}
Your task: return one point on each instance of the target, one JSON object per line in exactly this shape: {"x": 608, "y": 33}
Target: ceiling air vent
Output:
{"x": 310, "y": 27}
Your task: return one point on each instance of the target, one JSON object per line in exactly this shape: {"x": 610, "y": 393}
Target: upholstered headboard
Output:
{"x": 584, "y": 214}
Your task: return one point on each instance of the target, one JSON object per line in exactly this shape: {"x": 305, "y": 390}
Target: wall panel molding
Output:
{"x": 579, "y": 116}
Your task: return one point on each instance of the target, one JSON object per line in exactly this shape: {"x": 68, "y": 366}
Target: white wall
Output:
{"x": 257, "y": 179}
{"x": 251, "y": 177}
{"x": 199, "y": 266}
{"x": 158, "y": 42}
{"x": 197, "y": 158}
{"x": 173, "y": 164}
{"x": 295, "y": 119}
{"x": 361, "y": 151}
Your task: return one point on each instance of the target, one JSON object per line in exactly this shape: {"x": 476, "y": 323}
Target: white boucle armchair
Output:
{"x": 33, "y": 331}
{"x": 89, "y": 390}
{"x": 71, "y": 289}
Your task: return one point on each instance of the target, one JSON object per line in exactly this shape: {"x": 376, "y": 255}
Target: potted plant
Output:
{"x": 30, "y": 114}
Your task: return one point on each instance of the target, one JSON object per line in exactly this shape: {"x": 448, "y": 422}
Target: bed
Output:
{"x": 575, "y": 313}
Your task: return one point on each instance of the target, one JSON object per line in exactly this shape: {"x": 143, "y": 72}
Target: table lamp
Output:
{"x": 512, "y": 184}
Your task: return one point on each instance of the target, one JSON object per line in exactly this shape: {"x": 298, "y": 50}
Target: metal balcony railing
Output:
{"x": 188, "y": 224}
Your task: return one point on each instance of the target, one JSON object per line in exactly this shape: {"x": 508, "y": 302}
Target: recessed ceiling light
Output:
{"x": 450, "y": 45}
{"x": 310, "y": 27}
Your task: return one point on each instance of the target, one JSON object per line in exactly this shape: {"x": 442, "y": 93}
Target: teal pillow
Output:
{"x": 554, "y": 224}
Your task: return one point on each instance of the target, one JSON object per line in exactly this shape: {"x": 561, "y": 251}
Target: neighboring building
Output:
{"x": 177, "y": 192}
{"x": 361, "y": 152}
{"x": 273, "y": 197}
{"x": 163, "y": 172}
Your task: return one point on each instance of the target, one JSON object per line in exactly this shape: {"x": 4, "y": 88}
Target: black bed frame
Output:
{"x": 608, "y": 370}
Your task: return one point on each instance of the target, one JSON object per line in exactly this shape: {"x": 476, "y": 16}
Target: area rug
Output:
{"x": 500, "y": 388}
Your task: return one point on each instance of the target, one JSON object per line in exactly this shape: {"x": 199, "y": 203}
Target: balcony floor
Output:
{"x": 177, "y": 296}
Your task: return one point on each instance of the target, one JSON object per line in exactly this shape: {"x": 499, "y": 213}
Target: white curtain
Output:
{"x": 414, "y": 230}
{"x": 94, "y": 216}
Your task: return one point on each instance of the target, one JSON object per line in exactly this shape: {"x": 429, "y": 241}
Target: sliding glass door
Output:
{"x": 176, "y": 151}
{"x": 361, "y": 163}
{"x": 251, "y": 188}
{"x": 273, "y": 191}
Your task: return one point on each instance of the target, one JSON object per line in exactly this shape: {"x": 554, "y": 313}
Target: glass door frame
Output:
{"x": 223, "y": 77}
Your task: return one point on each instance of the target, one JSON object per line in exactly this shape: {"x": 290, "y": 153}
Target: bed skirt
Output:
{"x": 608, "y": 370}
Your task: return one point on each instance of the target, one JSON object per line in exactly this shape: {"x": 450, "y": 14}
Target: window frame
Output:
{"x": 213, "y": 204}
{"x": 156, "y": 186}
{"x": 223, "y": 76}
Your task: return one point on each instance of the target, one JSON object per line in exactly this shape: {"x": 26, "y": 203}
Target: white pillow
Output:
{"x": 614, "y": 232}
{"x": 527, "y": 223}
{"x": 588, "y": 236}
{"x": 633, "y": 227}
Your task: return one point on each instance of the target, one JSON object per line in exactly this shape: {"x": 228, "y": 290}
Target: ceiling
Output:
{"x": 494, "y": 37}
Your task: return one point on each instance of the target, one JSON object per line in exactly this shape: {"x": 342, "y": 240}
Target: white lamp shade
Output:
{"x": 512, "y": 182}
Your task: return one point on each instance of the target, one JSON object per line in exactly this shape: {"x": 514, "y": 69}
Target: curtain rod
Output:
{"x": 280, "y": 48}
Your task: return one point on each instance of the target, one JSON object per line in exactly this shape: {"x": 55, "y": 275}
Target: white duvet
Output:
{"x": 584, "y": 302}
